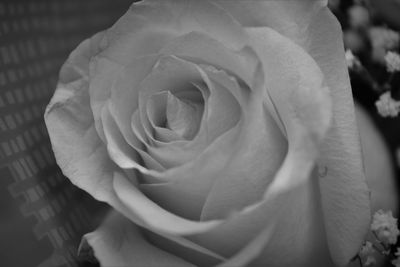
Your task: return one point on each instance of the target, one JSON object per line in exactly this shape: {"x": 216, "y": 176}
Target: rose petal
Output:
{"x": 180, "y": 243}
{"x": 149, "y": 25}
{"x": 250, "y": 251}
{"x": 169, "y": 74}
{"x": 77, "y": 65}
{"x": 124, "y": 155}
{"x": 221, "y": 111}
{"x": 291, "y": 18}
{"x": 345, "y": 195}
{"x": 253, "y": 163}
{"x": 119, "y": 242}
{"x": 185, "y": 189}
{"x": 297, "y": 92}
{"x": 306, "y": 120}
{"x": 185, "y": 249}
{"x": 125, "y": 93}
{"x": 142, "y": 25}
{"x": 151, "y": 214}
{"x": 184, "y": 117}
{"x": 201, "y": 48}
{"x": 102, "y": 75}
{"x": 295, "y": 85}
{"x": 194, "y": 188}
{"x": 156, "y": 111}
{"x": 79, "y": 150}
{"x": 298, "y": 238}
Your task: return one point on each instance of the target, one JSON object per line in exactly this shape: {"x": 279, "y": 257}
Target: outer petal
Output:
{"x": 251, "y": 251}
{"x": 259, "y": 151}
{"x": 297, "y": 238}
{"x": 148, "y": 25}
{"x": 345, "y": 195}
{"x": 119, "y": 243}
{"x": 78, "y": 149}
{"x": 152, "y": 214}
{"x": 139, "y": 209}
{"x": 295, "y": 86}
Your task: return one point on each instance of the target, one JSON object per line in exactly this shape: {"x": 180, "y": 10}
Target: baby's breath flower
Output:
{"x": 387, "y": 106}
{"x": 392, "y": 60}
{"x": 366, "y": 254}
{"x": 366, "y": 250}
{"x": 351, "y": 59}
{"x": 384, "y": 225}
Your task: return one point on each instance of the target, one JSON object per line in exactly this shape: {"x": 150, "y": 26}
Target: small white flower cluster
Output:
{"x": 351, "y": 60}
{"x": 384, "y": 227}
{"x": 366, "y": 254}
{"x": 387, "y": 106}
{"x": 392, "y": 60}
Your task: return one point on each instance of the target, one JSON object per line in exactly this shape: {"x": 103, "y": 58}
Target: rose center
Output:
{"x": 183, "y": 116}
{"x": 176, "y": 114}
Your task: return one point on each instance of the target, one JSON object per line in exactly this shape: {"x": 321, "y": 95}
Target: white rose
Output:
{"x": 223, "y": 131}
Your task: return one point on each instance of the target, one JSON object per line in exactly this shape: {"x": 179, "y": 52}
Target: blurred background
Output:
{"x": 42, "y": 216}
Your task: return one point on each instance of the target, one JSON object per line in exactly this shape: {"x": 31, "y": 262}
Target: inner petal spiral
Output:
{"x": 183, "y": 116}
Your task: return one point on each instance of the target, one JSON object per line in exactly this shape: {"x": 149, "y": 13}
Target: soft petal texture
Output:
{"x": 302, "y": 244}
{"x": 119, "y": 243}
{"x": 252, "y": 163}
{"x": 221, "y": 112}
{"x": 345, "y": 194}
{"x": 202, "y": 48}
{"x": 251, "y": 251}
{"x": 184, "y": 189}
{"x": 148, "y": 214}
{"x": 183, "y": 117}
{"x": 148, "y": 25}
{"x": 125, "y": 94}
{"x": 152, "y": 214}
{"x": 101, "y": 78}
{"x": 78, "y": 149}
{"x": 304, "y": 107}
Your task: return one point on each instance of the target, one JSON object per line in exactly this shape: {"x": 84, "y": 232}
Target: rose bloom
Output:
{"x": 222, "y": 132}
